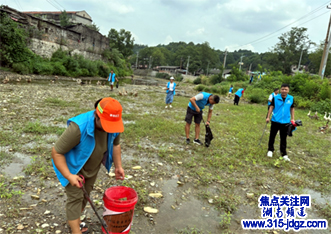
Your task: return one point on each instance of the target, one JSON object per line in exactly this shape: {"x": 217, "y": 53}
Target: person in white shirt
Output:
{"x": 171, "y": 86}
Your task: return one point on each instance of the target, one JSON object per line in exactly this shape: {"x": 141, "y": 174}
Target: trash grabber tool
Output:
{"x": 263, "y": 133}
{"x": 103, "y": 223}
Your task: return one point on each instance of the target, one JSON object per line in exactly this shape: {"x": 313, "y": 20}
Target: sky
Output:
{"x": 226, "y": 24}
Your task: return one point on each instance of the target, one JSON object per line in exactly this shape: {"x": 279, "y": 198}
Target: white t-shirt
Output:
{"x": 270, "y": 98}
{"x": 200, "y": 97}
{"x": 171, "y": 86}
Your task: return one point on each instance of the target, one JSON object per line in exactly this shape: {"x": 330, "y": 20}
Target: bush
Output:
{"x": 179, "y": 77}
{"x": 42, "y": 68}
{"x": 257, "y": 96}
{"x": 322, "y": 106}
{"x": 215, "y": 89}
{"x": 325, "y": 92}
{"x": 59, "y": 69}
{"x": 215, "y": 79}
{"x": 204, "y": 80}
{"x": 197, "y": 80}
{"x": 303, "y": 103}
{"x": 206, "y": 89}
{"x": 162, "y": 75}
{"x": 200, "y": 87}
{"x": 21, "y": 68}
{"x": 225, "y": 89}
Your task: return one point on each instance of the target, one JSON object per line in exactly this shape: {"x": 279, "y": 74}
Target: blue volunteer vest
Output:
{"x": 78, "y": 156}
{"x": 230, "y": 90}
{"x": 239, "y": 92}
{"x": 201, "y": 103}
{"x": 281, "y": 112}
{"x": 112, "y": 77}
{"x": 273, "y": 95}
{"x": 168, "y": 85}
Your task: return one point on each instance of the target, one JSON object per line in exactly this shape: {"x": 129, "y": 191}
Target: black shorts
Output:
{"x": 189, "y": 115}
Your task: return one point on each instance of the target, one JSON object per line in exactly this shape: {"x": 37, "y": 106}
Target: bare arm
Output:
{"x": 192, "y": 100}
{"x": 269, "y": 113}
{"x": 119, "y": 172}
{"x": 292, "y": 113}
{"x": 61, "y": 165}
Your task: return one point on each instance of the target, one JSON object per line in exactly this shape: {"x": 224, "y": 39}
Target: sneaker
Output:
{"x": 197, "y": 141}
{"x": 166, "y": 107}
{"x": 285, "y": 157}
{"x": 188, "y": 141}
{"x": 269, "y": 154}
{"x": 170, "y": 106}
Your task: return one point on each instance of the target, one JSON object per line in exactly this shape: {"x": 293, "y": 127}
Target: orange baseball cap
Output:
{"x": 109, "y": 111}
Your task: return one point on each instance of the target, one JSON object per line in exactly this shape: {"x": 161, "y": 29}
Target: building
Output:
{"x": 75, "y": 17}
{"x": 46, "y": 36}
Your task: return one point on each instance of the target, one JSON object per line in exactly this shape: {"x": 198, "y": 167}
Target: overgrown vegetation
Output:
{"x": 15, "y": 54}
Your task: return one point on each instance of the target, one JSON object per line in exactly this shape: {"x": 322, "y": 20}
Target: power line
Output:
{"x": 53, "y": 5}
{"x": 59, "y": 4}
{"x": 312, "y": 12}
{"x": 297, "y": 25}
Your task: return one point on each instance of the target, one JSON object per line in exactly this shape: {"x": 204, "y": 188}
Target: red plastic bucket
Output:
{"x": 119, "y": 202}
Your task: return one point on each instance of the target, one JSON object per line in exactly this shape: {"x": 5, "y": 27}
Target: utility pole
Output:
{"x": 150, "y": 61}
{"x": 181, "y": 58}
{"x": 207, "y": 68}
{"x": 241, "y": 61}
{"x": 224, "y": 62}
{"x": 250, "y": 67}
{"x": 301, "y": 55}
{"x": 325, "y": 51}
{"x": 188, "y": 63}
{"x": 137, "y": 60}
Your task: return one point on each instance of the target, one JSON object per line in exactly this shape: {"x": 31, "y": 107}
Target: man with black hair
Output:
{"x": 282, "y": 107}
{"x": 194, "y": 109}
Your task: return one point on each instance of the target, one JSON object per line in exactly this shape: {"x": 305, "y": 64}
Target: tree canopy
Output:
{"x": 122, "y": 41}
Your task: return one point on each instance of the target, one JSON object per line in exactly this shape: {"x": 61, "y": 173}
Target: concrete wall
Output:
{"x": 45, "y": 49}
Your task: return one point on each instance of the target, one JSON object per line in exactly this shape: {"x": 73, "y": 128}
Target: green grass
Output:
{"x": 233, "y": 157}
{"x": 7, "y": 138}
{"x": 59, "y": 102}
{"x": 38, "y": 128}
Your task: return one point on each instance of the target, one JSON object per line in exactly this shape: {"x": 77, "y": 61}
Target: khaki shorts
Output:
{"x": 76, "y": 200}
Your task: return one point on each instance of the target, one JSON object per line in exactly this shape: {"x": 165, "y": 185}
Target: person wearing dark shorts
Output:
{"x": 194, "y": 110}
{"x": 91, "y": 139}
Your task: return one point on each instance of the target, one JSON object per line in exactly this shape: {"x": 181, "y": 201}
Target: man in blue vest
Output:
{"x": 282, "y": 107}
{"x": 238, "y": 95}
{"x": 90, "y": 139}
{"x": 112, "y": 77}
{"x": 194, "y": 109}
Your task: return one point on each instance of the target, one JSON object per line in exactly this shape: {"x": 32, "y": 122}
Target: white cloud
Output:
{"x": 121, "y": 8}
{"x": 199, "y": 31}
{"x": 167, "y": 40}
{"x": 234, "y": 47}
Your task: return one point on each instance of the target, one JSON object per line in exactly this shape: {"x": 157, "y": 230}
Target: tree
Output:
{"x": 122, "y": 40}
{"x": 64, "y": 19}
{"x": 93, "y": 26}
{"x": 13, "y": 42}
{"x": 289, "y": 48}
